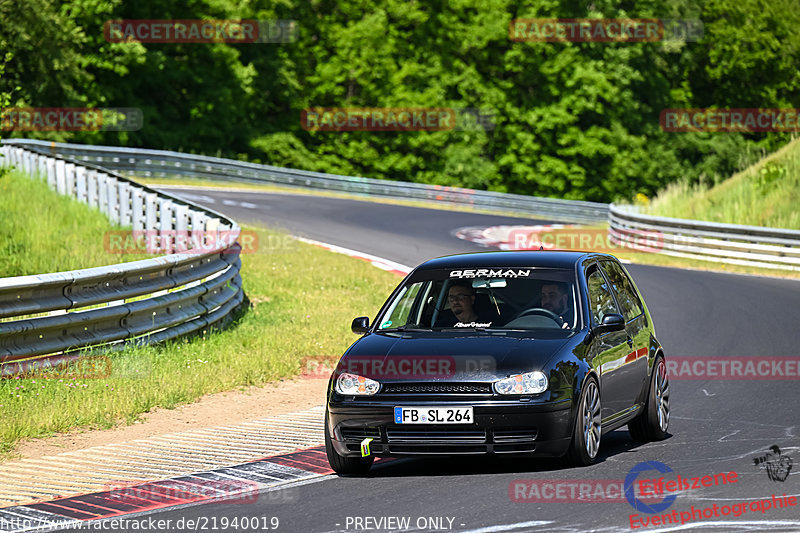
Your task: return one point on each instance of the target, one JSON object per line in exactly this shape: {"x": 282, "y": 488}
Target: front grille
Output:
{"x": 440, "y": 439}
{"x": 353, "y": 436}
{"x": 440, "y": 434}
{"x": 436, "y": 440}
{"x": 437, "y": 388}
{"x": 514, "y": 435}
{"x": 514, "y": 440}
{"x": 360, "y": 433}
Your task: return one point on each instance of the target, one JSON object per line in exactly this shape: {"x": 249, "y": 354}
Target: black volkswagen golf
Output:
{"x": 527, "y": 353}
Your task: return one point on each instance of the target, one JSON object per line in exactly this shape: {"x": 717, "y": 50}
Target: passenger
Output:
{"x": 555, "y": 298}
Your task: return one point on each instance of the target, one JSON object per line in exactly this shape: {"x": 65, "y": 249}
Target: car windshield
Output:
{"x": 484, "y": 298}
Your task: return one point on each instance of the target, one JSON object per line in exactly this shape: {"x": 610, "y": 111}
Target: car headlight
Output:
{"x": 353, "y": 385}
{"x": 527, "y": 383}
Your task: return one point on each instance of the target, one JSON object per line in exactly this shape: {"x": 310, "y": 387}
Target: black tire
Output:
{"x": 653, "y": 423}
{"x": 346, "y": 466}
{"x": 587, "y": 426}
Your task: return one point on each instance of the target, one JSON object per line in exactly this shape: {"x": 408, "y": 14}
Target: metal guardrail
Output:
{"x": 708, "y": 241}
{"x": 139, "y": 302}
{"x": 158, "y": 163}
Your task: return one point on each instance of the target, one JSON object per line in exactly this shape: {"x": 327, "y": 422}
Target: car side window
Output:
{"x": 400, "y": 313}
{"x": 601, "y": 302}
{"x": 626, "y": 294}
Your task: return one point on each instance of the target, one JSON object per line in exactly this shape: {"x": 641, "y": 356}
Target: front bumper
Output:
{"x": 499, "y": 427}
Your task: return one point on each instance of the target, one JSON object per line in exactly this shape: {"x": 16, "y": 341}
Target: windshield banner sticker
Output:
{"x": 491, "y": 273}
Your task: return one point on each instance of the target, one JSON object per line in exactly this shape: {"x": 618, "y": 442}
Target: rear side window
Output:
{"x": 601, "y": 302}
{"x": 626, "y": 294}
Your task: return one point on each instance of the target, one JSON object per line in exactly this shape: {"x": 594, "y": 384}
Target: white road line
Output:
{"x": 509, "y": 527}
{"x": 379, "y": 262}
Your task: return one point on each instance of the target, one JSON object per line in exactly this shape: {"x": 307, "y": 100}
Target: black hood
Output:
{"x": 456, "y": 356}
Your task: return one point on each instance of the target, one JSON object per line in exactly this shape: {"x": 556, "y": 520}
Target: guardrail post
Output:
{"x": 61, "y": 183}
{"x": 137, "y": 214}
{"x": 69, "y": 176}
{"x": 102, "y": 192}
{"x": 151, "y": 222}
{"x": 42, "y": 167}
{"x": 51, "y": 172}
{"x": 212, "y": 224}
{"x": 166, "y": 225}
{"x": 182, "y": 228}
{"x": 80, "y": 182}
{"x": 124, "y": 203}
{"x": 198, "y": 221}
{"x": 91, "y": 188}
{"x": 113, "y": 199}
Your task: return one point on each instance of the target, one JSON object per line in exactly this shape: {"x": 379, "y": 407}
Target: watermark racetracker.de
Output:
{"x": 59, "y": 367}
{"x": 730, "y": 120}
{"x": 643, "y": 494}
{"x": 733, "y": 368}
{"x": 580, "y": 238}
{"x": 200, "y": 31}
{"x": 191, "y": 241}
{"x": 605, "y": 30}
{"x": 71, "y": 119}
{"x": 338, "y": 119}
{"x": 176, "y": 492}
{"x": 396, "y": 367}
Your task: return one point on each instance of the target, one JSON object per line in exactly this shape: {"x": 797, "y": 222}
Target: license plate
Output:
{"x": 433, "y": 415}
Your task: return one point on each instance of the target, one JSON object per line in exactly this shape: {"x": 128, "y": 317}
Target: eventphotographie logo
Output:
{"x": 776, "y": 464}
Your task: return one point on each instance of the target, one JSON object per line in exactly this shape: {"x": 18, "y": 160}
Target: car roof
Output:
{"x": 536, "y": 258}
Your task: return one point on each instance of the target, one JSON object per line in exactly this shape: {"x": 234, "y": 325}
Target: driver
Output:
{"x": 555, "y": 298}
{"x": 461, "y": 297}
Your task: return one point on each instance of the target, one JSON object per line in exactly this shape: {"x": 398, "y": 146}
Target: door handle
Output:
{"x": 630, "y": 341}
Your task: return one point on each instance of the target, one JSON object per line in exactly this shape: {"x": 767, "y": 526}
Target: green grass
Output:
{"x": 765, "y": 194}
{"x": 41, "y": 231}
{"x": 303, "y": 300}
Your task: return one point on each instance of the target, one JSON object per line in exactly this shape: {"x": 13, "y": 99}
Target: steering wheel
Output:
{"x": 543, "y": 312}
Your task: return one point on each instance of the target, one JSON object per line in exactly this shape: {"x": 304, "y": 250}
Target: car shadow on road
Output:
{"x": 613, "y": 444}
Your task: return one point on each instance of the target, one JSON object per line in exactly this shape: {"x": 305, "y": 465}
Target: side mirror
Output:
{"x": 611, "y": 322}
{"x": 360, "y": 325}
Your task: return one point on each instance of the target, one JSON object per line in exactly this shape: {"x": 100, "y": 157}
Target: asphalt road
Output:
{"x": 716, "y": 426}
